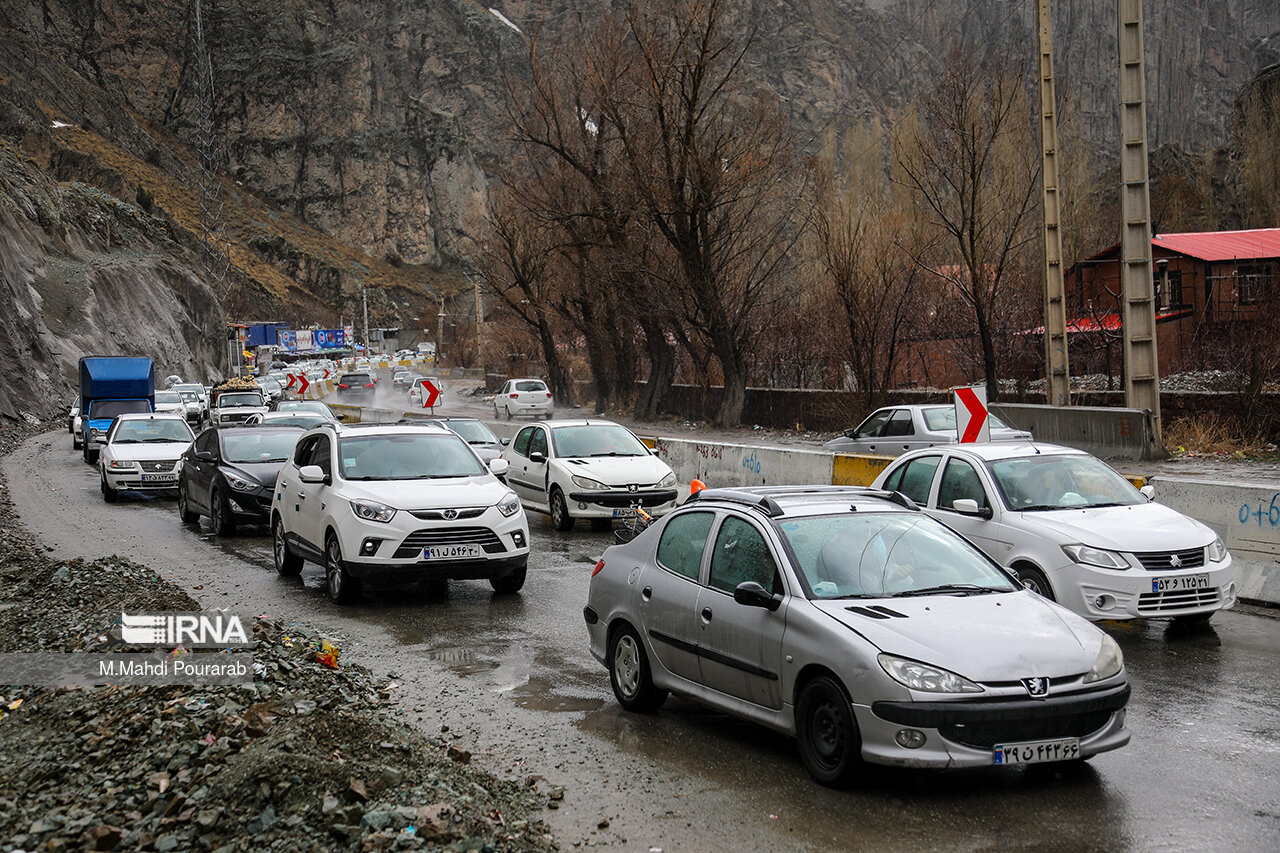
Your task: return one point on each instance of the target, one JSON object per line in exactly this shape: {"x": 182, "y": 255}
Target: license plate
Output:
{"x": 450, "y": 552}
{"x": 159, "y": 478}
{"x": 1037, "y": 751}
{"x": 1180, "y": 583}
{"x": 624, "y": 513}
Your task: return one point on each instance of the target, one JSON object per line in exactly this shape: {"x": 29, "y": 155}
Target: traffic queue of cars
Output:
{"x": 941, "y": 618}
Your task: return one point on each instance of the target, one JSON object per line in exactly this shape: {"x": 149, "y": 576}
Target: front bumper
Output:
{"x": 251, "y": 507}
{"x": 134, "y": 480}
{"x": 623, "y": 498}
{"x": 397, "y": 552}
{"x": 1106, "y": 594}
{"x": 964, "y": 733}
{"x": 399, "y": 573}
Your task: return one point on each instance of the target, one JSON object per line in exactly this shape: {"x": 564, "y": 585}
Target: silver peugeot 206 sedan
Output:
{"x": 849, "y": 619}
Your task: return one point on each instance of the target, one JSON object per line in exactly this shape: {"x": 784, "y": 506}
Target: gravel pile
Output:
{"x": 310, "y": 758}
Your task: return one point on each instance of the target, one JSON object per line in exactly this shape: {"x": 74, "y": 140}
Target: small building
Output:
{"x": 1211, "y": 287}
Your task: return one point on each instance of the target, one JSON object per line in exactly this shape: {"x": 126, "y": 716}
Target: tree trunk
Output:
{"x": 559, "y": 380}
{"x": 662, "y": 371}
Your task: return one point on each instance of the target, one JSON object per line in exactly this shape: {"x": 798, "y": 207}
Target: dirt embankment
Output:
{"x": 308, "y": 758}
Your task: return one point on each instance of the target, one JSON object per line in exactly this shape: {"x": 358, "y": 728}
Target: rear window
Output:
{"x": 355, "y": 379}
{"x": 531, "y": 386}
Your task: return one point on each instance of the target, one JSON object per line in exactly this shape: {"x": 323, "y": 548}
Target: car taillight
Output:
{"x": 548, "y": 395}
{"x": 514, "y": 396}
{"x": 340, "y": 385}
{"x": 596, "y": 570}
{"x": 368, "y": 384}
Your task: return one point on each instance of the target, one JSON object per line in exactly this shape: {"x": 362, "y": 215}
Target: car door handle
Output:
{"x": 706, "y": 614}
{"x": 646, "y": 593}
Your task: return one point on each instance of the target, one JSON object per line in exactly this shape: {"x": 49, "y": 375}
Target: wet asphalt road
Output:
{"x": 513, "y": 681}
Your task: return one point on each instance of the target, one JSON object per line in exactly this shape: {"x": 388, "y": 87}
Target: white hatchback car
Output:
{"x": 524, "y": 397}
{"x": 1071, "y": 528}
{"x": 587, "y": 469}
{"x": 142, "y": 453}
{"x": 396, "y": 503}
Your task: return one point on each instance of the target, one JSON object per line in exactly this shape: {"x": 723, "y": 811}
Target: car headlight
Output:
{"x": 1217, "y": 551}
{"x": 373, "y": 511}
{"x": 121, "y": 463}
{"x": 1110, "y": 661}
{"x": 667, "y": 481}
{"x": 509, "y": 505}
{"x": 925, "y": 678}
{"x": 241, "y": 485}
{"x": 1100, "y": 557}
{"x": 94, "y": 431}
{"x": 589, "y": 484}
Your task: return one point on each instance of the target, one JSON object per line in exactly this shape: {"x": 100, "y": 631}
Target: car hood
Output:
{"x": 431, "y": 494}
{"x": 262, "y": 472}
{"x": 1140, "y": 527}
{"x": 617, "y": 470}
{"x": 149, "y": 452}
{"x": 996, "y": 637}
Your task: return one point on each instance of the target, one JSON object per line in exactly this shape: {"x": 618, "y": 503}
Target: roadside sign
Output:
{"x": 972, "y": 423}
{"x": 292, "y": 379}
{"x": 430, "y": 393}
{"x": 302, "y": 388}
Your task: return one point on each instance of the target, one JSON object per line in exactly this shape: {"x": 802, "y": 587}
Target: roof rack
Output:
{"x": 764, "y": 502}
{"x": 763, "y": 496}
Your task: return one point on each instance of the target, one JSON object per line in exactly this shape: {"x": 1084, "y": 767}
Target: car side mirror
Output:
{"x": 340, "y": 416}
{"x": 504, "y": 441}
{"x": 1149, "y": 492}
{"x": 538, "y": 457}
{"x": 206, "y": 456}
{"x": 851, "y": 433}
{"x": 499, "y": 466}
{"x": 968, "y": 506}
{"x": 753, "y": 594}
{"x": 313, "y": 474}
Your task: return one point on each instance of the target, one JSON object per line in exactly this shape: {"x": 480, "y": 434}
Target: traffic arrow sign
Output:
{"x": 291, "y": 379}
{"x": 326, "y": 373}
{"x": 972, "y": 423}
{"x": 430, "y": 393}
{"x": 302, "y": 389}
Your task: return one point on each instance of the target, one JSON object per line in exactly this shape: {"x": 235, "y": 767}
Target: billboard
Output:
{"x": 328, "y": 339}
{"x": 305, "y": 340}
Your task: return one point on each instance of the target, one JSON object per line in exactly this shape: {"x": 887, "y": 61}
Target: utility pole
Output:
{"x": 1057, "y": 367}
{"x": 479, "y": 326}
{"x": 364, "y": 295}
{"x": 1141, "y": 366}
{"x": 439, "y": 333}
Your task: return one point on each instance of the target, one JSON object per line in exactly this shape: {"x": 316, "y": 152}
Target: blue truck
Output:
{"x": 111, "y": 386}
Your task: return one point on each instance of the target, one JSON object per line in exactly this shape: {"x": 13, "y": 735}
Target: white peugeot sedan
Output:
{"x": 587, "y": 468}
{"x": 142, "y": 452}
{"x": 851, "y": 620}
{"x": 396, "y": 503}
{"x": 1071, "y": 528}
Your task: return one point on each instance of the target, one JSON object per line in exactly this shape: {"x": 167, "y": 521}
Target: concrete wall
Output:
{"x": 721, "y": 464}
{"x": 1110, "y": 433}
{"x": 1246, "y": 516}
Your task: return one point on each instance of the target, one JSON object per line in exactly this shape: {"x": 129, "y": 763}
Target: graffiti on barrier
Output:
{"x": 751, "y": 463}
{"x": 709, "y": 451}
{"x": 1270, "y": 513}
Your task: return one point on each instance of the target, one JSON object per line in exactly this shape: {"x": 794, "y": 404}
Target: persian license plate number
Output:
{"x": 1180, "y": 583}
{"x": 1037, "y": 751}
{"x": 451, "y": 552}
{"x": 159, "y": 478}
{"x": 624, "y": 513}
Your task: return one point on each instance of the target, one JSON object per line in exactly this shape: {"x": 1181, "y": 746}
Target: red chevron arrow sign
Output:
{"x": 972, "y": 423}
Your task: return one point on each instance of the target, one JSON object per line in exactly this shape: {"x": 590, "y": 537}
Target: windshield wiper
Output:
{"x": 959, "y": 588}
{"x": 127, "y": 441}
{"x": 165, "y": 440}
{"x": 615, "y": 453}
{"x": 1040, "y": 507}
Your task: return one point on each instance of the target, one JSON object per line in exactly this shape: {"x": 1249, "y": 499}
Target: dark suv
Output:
{"x": 356, "y": 385}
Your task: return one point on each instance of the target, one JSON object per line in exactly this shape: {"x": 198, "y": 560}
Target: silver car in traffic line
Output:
{"x": 851, "y": 620}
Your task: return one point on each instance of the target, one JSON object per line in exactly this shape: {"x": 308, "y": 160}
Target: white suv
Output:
{"x": 396, "y": 503}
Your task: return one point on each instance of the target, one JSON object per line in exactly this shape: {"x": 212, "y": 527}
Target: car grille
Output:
{"x": 1162, "y": 561}
{"x": 233, "y": 417}
{"x": 985, "y": 735}
{"x": 162, "y": 465}
{"x": 439, "y": 514}
{"x": 482, "y": 536}
{"x": 1155, "y": 603}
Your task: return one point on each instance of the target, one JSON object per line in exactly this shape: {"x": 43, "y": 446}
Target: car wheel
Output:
{"x": 508, "y": 408}
{"x": 827, "y": 734}
{"x": 600, "y": 525}
{"x": 560, "y": 518}
{"x": 342, "y": 588}
{"x": 495, "y": 411}
{"x": 75, "y": 441}
{"x": 220, "y": 517}
{"x": 510, "y": 582}
{"x": 184, "y": 509}
{"x": 1034, "y": 580}
{"x": 287, "y": 562}
{"x": 90, "y": 454}
{"x": 629, "y": 673}
{"x": 108, "y": 494}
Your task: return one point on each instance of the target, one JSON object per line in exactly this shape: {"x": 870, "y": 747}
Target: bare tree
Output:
{"x": 971, "y": 162}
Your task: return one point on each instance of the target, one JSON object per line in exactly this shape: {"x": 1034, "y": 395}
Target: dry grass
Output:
{"x": 1203, "y": 434}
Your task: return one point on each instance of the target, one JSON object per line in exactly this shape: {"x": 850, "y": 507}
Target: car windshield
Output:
{"x": 169, "y": 397}
{"x": 190, "y": 397}
{"x": 1049, "y": 482}
{"x": 596, "y": 440}
{"x": 943, "y": 419}
{"x": 242, "y": 447}
{"x": 151, "y": 431}
{"x": 235, "y": 401}
{"x": 882, "y": 554}
{"x": 269, "y": 384}
{"x": 306, "y": 420}
{"x": 475, "y": 432}
{"x": 112, "y": 408}
{"x": 303, "y": 406}
{"x": 415, "y": 456}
